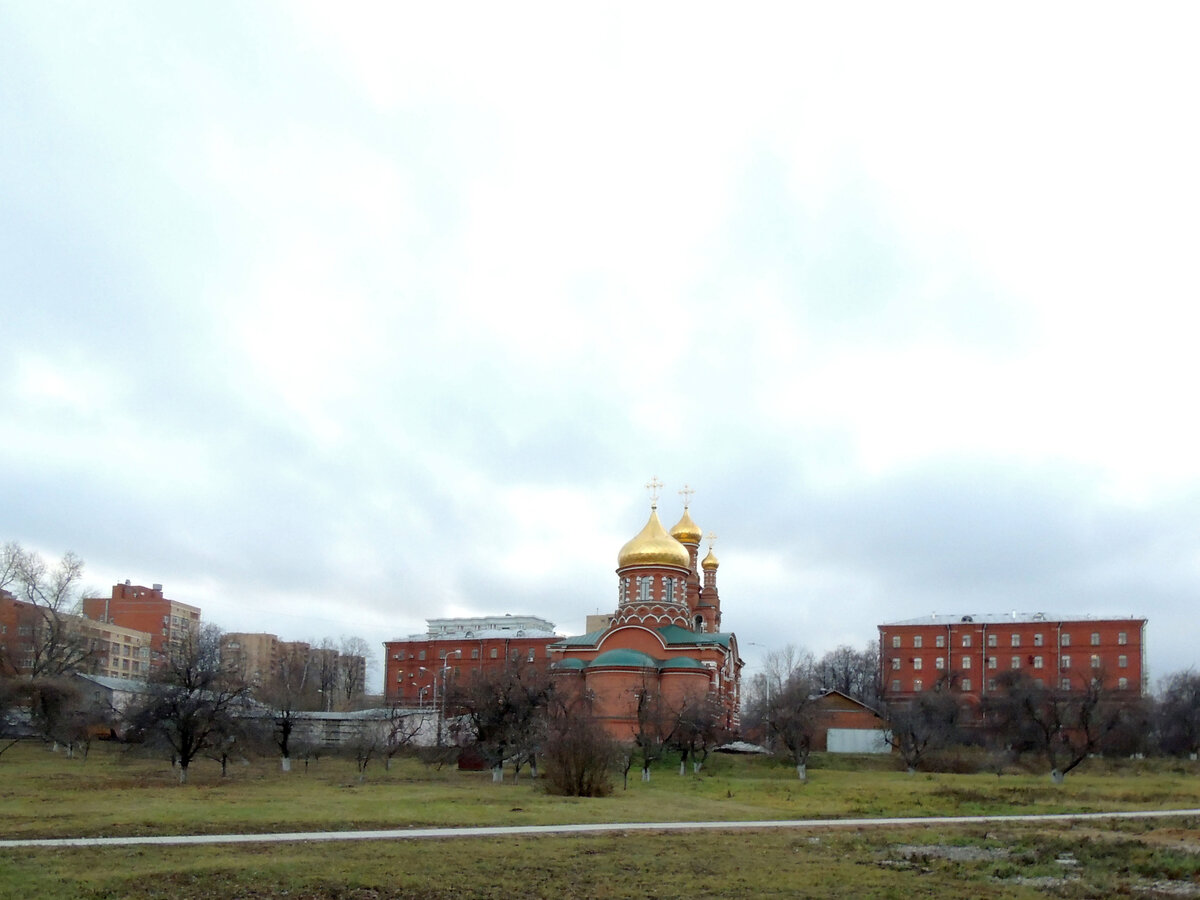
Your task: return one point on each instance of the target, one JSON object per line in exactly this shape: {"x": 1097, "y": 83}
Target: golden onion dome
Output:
{"x": 652, "y": 546}
{"x": 710, "y": 561}
{"x": 686, "y": 531}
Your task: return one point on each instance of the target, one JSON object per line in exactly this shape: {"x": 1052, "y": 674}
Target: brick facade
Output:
{"x": 969, "y": 653}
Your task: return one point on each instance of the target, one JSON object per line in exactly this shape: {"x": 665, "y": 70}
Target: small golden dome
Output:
{"x": 686, "y": 531}
{"x": 652, "y": 546}
{"x": 710, "y": 561}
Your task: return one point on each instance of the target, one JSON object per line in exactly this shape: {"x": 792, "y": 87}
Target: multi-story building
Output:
{"x": 969, "y": 654}
{"x": 417, "y": 667}
{"x": 38, "y": 641}
{"x": 116, "y": 652}
{"x": 145, "y": 609}
{"x": 252, "y": 655}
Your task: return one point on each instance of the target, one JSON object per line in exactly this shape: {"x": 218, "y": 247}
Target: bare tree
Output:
{"x": 853, "y": 672}
{"x": 353, "y": 661}
{"x": 922, "y": 725}
{"x": 191, "y": 698}
{"x": 1179, "y": 714}
{"x": 578, "y": 750}
{"x": 62, "y": 714}
{"x": 12, "y": 726}
{"x": 656, "y": 723}
{"x": 1064, "y": 725}
{"x": 325, "y": 657}
{"x": 402, "y": 729}
{"x": 287, "y": 691}
{"x": 50, "y": 641}
{"x": 701, "y": 727}
{"x": 503, "y": 712}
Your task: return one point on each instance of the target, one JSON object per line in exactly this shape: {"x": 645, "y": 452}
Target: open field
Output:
{"x": 112, "y": 793}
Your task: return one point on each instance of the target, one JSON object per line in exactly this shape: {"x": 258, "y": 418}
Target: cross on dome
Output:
{"x": 652, "y": 486}
{"x": 686, "y": 493}
{"x": 711, "y": 536}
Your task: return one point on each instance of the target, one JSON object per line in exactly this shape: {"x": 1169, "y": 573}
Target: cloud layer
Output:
{"x": 335, "y": 320}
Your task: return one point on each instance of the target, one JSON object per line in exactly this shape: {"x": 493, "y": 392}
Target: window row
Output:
{"x": 965, "y": 684}
{"x": 993, "y": 662}
{"x": 1014, "y": 640}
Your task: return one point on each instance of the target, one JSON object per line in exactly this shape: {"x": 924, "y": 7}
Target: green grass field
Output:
{"x": 117, "y": 793}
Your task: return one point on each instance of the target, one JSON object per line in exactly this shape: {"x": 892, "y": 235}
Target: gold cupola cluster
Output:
{"x": 652, "y": 546}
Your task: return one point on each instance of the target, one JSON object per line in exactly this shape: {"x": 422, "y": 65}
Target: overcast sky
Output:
{"x": 335, "y": 317}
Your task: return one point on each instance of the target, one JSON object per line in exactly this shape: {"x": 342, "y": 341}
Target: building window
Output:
{"x": 1037, "y": 682}
{"x": 421, "y": 655}
{"x": 966, "y": 662}
{"x": 939, "y": 663}
{"x": 668, "y": 589}
{"x": 532, "y": 651}
{"x": 1037, "y": 639}
{"x": 993, "y": 662}
{"x": 495, "y": 653}
{"x": 1065, "y": 684}
{"x": 1095, "y": 639}
{"x": 475, "y": 653}
{"x": 966, "y": 641}
{"x": 1016, "y": 640}
{"x": 1122, "y": 684}
{"x": 940, "y": 640}
{"x": 917, "y": 642}
{"x": 895, "y": 685}
{"x": 992, "y": 641}
{"x": 966, "y": 684}
{"x": 895, "y": 642}
{"x": 1066, "y": 663}
{"x": 916, "y": 684}
{"x": 399, "y": 676}
{"x": 1122, "y": 638}
{"x": 895, "y": 662}
{"x": 1016, "y": 663}
{"x": 917, "y": 664}
{"x": 1095, "y": 661}
{"x": 1037, "y": 662}
{"x": 1065, "y": 640}
{"x": 643, "y": 584}
{"x": 1122, "y": 661}
{"x": 991, "y": 685}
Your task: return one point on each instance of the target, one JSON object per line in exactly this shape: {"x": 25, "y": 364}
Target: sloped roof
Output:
{"x": 623, "y": 656}
{"x": 674, "y": 635}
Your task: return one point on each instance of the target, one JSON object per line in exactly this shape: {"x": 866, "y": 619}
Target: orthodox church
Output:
{"x": 665, "y": 635}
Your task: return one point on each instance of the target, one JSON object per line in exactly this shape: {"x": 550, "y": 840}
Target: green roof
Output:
{"x": 581, "y": 640}
{"x": 625, "y": 657}
{"x": 573, "y": 663}
{"x": 682, "y": 662}
{"x": 673, "y": 635}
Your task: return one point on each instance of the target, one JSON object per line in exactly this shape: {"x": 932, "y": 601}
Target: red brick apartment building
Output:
{"x": 145, "y": 609}
{"x": 417, "y": 668}
{"x": 112, "y": 650}
{"x": 970, "y": 653}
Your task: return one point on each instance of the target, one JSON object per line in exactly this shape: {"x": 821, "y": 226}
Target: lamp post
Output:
{"x": 442, "y": 709}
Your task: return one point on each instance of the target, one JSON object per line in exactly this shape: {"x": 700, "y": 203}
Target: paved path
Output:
{"x": 401, "y": 834}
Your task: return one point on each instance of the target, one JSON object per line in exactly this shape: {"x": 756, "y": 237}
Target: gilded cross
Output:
{"x": 686, "y": 494}
{"x": 652, "y": 486}
{"x": 712, "y": 536}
